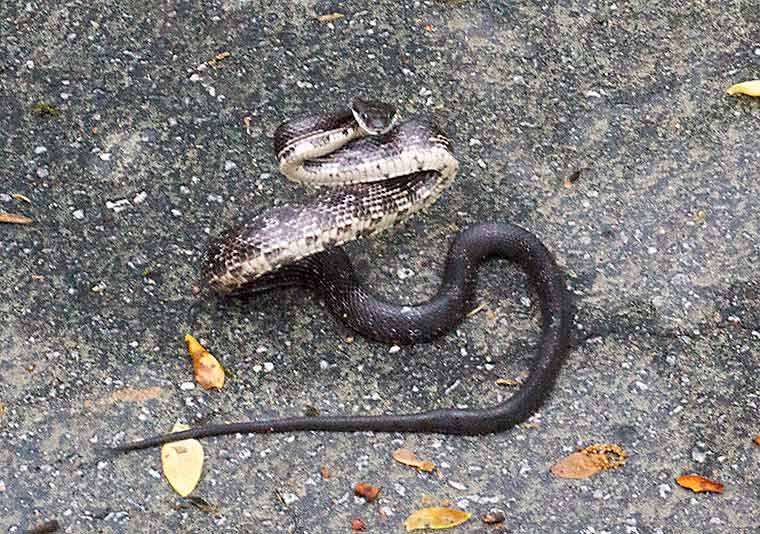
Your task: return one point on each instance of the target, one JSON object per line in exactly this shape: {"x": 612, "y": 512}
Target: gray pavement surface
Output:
{"x": 151, "y": 154}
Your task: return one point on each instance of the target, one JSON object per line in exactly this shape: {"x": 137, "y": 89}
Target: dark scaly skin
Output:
{"x": 332, "y": 275}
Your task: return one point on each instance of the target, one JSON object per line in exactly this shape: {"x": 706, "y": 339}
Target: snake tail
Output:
{"x": 331, "y": 274}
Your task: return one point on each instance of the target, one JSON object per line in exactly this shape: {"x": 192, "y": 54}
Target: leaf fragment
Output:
{"x": 182, "y": 462}
{"x": 576, "y": 466}
{"x": 435, "y": 518}
{"x": 13, "y": 218}
{"x": 757, "y": 441}
{"x": 749, "y": 88}
{"x": 203, "y": 505}
{"x": 699, "y": 484}
{"x": 367, "y": 491}
{"x": 407, "y": 457}
{"x": 208, "y": 371}
{"x": 330, "y": 17}
{"x": 357, "y": 524}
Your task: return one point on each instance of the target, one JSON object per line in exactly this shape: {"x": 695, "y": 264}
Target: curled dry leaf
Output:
{"x": 749, "y": 88}
{"x": 19, "y": 196}
{"x": 367, "y": 491}
{"x": 589, "y": 460}
{"x": 407, "y": 457}
{"x": 330, "y": 17}
{"x": 357, "y": 524}
{"x": 699, "y": 484}
{"x": 435, "y": 518}
{"x": 12, "y": 218}
{"x": 208, "y": 372}
{"x": 757, "y": 441}
{"x": 182, "y": 462}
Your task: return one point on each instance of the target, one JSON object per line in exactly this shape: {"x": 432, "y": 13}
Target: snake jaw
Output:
{"x": 374, "y": 117}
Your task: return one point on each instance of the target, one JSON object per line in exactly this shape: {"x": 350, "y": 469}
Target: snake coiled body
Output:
{"x": 390, "y": 176}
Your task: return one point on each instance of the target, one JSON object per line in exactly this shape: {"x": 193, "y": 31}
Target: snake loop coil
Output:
{"x": 387, "y": 172}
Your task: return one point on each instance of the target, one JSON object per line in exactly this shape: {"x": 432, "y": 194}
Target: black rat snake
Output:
{"x": 392, "y": 171}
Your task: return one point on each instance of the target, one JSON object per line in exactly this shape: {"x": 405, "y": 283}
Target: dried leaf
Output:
{"x": 208, "y": 372}
{"x": 19, "y": 196}
{"x": 407, "y": 457}
{"x": 576, "y": 466}
{"x": 182, "y": 462}
{"x": 429, "y": 27}
{"x": 330, "y": 17}
{"x": 757, "y": 440}
{"x": 699, "y": 484}
{"x": 203, "y": 505}
{"x": 435, "y": 518}
{"x": 749, "y": 88}
{"x": 45, "y": 528}
{"x": 357, "y": 524}
{"x": 12, "y": 218}
{"x": 508, "y": 382}
{"x": 367, "y": 491}
{"x": 126, "y": 395}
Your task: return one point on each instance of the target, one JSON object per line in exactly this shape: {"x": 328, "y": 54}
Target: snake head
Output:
{"x": 373, "y": 116}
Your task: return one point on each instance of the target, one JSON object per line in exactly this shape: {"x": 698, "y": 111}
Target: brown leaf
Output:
{"x": 330, "y": 17}
{"x": 699, "y": 484}
{"x": 208, "y": 372}
{"x": 435, "y": 518}
{"x": 407, "y": 457}
{"x": 12, "y": 218}
{"x": 576, "y": 466}
{"x": 757, "y": 441}
{"x": 508, "y": 382}
{"x": 357, "y": 524}
{"x": 182, "y": 462}
{"x": 367, "y": 491}
{"x": 45, "y": 528}
{"x": 203, "y": 505}
{"x": 126, "y": 395}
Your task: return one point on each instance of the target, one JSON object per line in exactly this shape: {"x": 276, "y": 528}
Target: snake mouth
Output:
{"x": 374, "y": 117}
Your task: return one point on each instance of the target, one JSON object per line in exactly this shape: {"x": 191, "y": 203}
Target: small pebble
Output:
{"x": 268, "y": 367}
{"x": 42, "y": 172}
{"x": 78, "y": 214}
{"x": 40, "y": 150}
{"x": 140, "y": 197}
{"x": 394, "y": 349}
{"x": 176, "y": 213}
{"x": 105, "y": 156}
{"x": 186, "y": 386}
{"x": 229, "y": 165}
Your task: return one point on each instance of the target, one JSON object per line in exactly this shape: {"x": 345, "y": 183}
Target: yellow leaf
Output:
{"x": 182, "y": 462}
{"x": 750, "y": 88}
{"x": 407, "y": 457}
{"x": 208, "y": 372}
{"x": 435, "y": 518}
